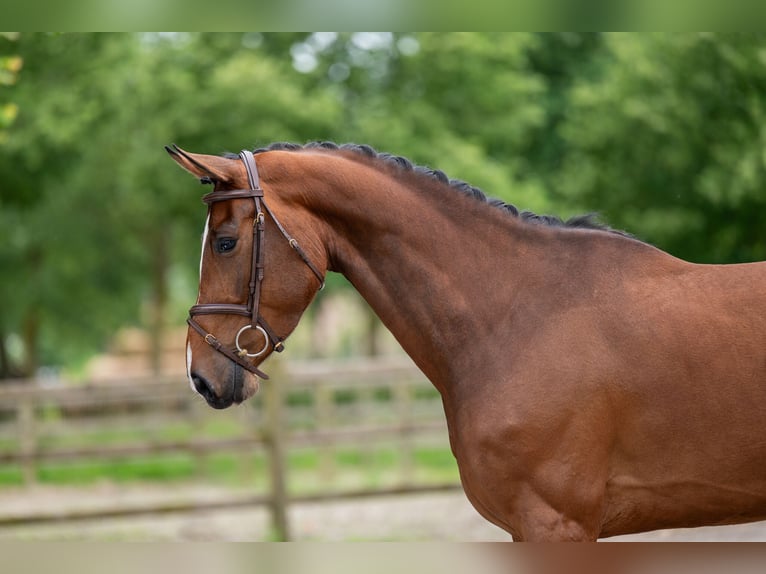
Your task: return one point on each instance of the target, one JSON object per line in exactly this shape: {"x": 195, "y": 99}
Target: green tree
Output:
{"x": 668, "y": 141}
{"x": 10, "y": 65}
{"x": 96, "y": 214}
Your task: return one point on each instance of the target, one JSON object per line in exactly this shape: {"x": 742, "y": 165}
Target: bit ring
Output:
{"x": 243, "y": 352}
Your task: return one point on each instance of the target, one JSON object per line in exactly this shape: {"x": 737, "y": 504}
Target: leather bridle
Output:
{"x": 238, "y": 354}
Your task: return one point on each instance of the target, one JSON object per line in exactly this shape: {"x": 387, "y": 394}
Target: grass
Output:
{"x": 371, "y": 467}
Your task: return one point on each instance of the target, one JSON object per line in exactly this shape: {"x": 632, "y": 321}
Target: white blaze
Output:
{"x": 188, "y": 365}
{"x": 188, "y": 344}
{"x": 204, "y": 242}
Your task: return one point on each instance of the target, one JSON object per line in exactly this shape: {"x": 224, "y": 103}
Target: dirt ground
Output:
{"x": 444, "y": 516}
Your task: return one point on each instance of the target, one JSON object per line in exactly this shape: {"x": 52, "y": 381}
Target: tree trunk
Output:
{"x": 30, "y": 322}
{"x": 5, "y": 362}
{"x": 159, "y": 301}
{"x": 30, "y": 337}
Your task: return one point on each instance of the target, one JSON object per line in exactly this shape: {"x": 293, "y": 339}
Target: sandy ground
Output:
{"x": 446, "y": 516}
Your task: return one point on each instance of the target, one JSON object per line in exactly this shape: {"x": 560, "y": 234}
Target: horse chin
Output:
{"x": 250, "y": 386}
{"x": 243, "y": 384}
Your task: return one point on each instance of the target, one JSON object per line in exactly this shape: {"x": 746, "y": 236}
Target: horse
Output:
{"x": 593, "y": 384}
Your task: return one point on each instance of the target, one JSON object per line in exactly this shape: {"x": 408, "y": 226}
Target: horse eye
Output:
{"x": 225, "y": 244}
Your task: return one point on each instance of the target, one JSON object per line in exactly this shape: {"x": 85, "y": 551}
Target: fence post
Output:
{"x": 325, "y": 414}
{"x": 274, "y": 438}
{"x": 403, "y": 394}
{"x": 27, "y": 440}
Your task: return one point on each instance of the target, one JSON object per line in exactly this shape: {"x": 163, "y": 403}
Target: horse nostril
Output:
{"x": 207, "y": 391}
{"x": 203, "y": 387}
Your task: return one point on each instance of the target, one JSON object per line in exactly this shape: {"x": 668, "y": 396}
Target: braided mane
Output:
{"x": 587, "y": 221}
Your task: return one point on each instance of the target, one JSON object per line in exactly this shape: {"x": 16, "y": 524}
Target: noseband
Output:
{"x": 238, "y": 354}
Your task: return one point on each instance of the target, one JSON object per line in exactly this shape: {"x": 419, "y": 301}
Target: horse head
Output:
{"x": 256, "y": 280}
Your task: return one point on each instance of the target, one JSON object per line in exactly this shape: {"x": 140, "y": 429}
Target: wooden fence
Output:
{"x": 321, "y": 406}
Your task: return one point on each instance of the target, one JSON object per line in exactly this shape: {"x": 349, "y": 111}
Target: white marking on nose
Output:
{"x": 188, "y": 344}
{"x": 188, "y": 366}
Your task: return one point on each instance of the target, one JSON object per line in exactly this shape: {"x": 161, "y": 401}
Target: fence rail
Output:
{"x": 321, "y": 405}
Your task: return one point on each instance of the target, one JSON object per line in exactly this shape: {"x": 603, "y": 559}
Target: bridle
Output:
{"x": 238, "y": 354}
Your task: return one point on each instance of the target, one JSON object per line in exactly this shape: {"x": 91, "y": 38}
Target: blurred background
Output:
{"x": 662, "y": 135}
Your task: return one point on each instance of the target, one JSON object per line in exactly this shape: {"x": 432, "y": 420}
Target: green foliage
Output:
{"x": 669, "y": 142}
{"x": 369, "y": 466}
{"x": 662, "y": 134}
{"x": 10, "y": 65}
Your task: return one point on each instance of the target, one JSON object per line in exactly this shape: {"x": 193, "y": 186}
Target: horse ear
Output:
{"x": 204, "y": 166}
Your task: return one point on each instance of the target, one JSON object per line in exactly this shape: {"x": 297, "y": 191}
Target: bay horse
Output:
{"x": 593, "y": 385}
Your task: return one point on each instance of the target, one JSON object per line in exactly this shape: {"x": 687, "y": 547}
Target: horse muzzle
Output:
{"x": 235, "y": 389}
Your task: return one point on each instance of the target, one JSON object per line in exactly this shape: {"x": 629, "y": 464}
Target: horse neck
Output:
{"x": 423, "y": 263}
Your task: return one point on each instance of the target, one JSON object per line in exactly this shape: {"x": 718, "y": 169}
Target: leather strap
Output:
{"x": 214, "y": 196}
{"x": 211, "y": 340}
{"x": 298, "y": 249}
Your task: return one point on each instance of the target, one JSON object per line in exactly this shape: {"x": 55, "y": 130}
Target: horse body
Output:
{"x": 630, "y": 412}
{"x": 689, "y": 450}
{"x": 593, "y": 385}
